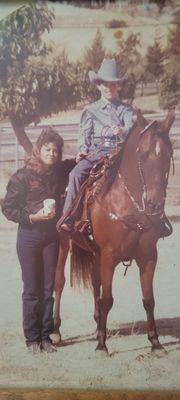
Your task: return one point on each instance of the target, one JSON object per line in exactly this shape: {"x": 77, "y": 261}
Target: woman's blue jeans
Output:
{"x": 37, "y": 252}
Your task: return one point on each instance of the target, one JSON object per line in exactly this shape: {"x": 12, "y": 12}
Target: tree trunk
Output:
{"x": 157, "y": 85}
{"x": 21, "y": 135}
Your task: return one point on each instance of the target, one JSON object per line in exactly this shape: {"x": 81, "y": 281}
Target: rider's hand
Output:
{"x": 117, "y": 131}
{"x": 41, "y": 216}
{"x": 80, "y": 156}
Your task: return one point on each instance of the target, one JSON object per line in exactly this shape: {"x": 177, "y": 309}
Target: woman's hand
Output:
{"x": 41, "y": 216}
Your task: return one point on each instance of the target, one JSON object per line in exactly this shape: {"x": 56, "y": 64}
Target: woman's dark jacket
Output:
{"x": 27, "y": 190}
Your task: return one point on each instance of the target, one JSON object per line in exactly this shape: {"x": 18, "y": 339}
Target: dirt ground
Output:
{"x": 130, "y": 364}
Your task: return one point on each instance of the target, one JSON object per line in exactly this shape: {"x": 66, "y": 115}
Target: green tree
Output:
{"x": 91, "y": 60}
{"x": 94, "y": 54}
{"x": 173, "y": 48}
{"x": 32, "y": 84}
{"x": 155, "y": 62}
{"x": 20, "y": 38}
{"x": 90, "y": 3}
{"x": 163, "y": 3}
{"x": 128, "y": 59}
{"x": 170, "y": 82}
{"x": 169, "y": 95}
{"x": 141, "y": 75}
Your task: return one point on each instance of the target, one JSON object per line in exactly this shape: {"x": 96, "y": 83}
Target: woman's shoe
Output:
{"x": 47, "y": 346}
{"x": 34, "y": 348}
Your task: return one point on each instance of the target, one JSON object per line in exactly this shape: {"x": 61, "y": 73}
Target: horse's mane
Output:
{"x": 111, "y": 172}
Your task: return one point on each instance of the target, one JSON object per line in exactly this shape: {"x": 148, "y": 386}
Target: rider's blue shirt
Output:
{"x": 97, "y": 122}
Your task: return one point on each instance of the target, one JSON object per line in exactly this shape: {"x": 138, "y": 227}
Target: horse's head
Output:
{"x": 154, "y": 154}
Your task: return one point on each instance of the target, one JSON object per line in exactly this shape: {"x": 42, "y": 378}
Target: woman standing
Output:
{"x": 42, "y": 178}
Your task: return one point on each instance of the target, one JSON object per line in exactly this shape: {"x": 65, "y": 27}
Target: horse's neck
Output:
{"x": 129, "y": 169}
{"x": 129, "y": 154}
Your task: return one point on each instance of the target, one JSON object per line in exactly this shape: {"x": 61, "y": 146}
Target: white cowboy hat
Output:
{"x": 107, "y": 72}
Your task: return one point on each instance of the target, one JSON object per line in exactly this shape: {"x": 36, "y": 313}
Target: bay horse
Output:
{"x": 126, "y": 217}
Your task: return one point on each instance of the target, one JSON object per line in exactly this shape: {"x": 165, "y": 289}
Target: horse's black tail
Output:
{"x": 82, "y": 263}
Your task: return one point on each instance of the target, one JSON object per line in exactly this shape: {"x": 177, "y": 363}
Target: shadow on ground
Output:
{"x": 165, "y": 327}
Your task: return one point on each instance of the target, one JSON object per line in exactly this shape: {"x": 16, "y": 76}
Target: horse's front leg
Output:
{"x": 146, "y": 261}
{"x": 96, "y": 284}
{"x": 106, "y": 301}
{"x": 58, "y": 288}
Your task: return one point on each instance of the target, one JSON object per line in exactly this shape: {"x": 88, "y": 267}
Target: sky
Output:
{"x": 7, "y": 7}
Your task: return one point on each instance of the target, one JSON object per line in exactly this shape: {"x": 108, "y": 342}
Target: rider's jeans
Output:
{"x": 78, "y": 175}
{"x": 37, "y": 251}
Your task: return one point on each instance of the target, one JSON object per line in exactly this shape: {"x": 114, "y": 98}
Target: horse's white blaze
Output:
{"x": 157, "y": 149}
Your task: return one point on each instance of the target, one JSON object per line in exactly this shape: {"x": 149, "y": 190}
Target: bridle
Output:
{"x": 143, "y": 207}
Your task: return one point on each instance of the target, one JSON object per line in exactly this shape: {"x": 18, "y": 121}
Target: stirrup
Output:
{"x": 83, "y": 226}
{"x": 67, "y": 224}
{"x": 66, "y": 227}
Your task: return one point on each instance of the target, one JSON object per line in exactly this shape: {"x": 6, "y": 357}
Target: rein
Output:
{"x": 141, "y": 209}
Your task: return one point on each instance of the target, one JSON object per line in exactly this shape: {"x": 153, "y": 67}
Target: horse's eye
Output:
{"x": 143, "y": 154}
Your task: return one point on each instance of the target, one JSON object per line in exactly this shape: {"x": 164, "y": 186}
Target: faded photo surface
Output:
{"x": 46, "y": 52}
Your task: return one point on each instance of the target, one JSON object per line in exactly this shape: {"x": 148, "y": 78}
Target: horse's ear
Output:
{"x": 140, "y": 119}
{"x": 167, "y": 123}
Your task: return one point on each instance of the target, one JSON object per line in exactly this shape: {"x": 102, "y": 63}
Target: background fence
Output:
{"x": 11, "y": 151}
{"x": 12, "y": 155}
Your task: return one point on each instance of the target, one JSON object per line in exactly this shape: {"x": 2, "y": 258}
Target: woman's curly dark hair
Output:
{"x": 48, "y": 135}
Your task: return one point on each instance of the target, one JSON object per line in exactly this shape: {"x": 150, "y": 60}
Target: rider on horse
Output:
{"x": 104, "y": 125}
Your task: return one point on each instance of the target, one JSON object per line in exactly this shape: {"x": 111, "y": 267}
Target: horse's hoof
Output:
{"x": 101, "y": 355}
{"x": 56, "y": 338}
{"x": 159, "y": 350}
{"x": 101, "y": 350}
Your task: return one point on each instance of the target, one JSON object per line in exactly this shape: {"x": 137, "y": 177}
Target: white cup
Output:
{"x": 49, "y": 206}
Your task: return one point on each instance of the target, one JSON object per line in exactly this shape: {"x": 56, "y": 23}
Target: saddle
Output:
{"x": 80, "y": 207}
